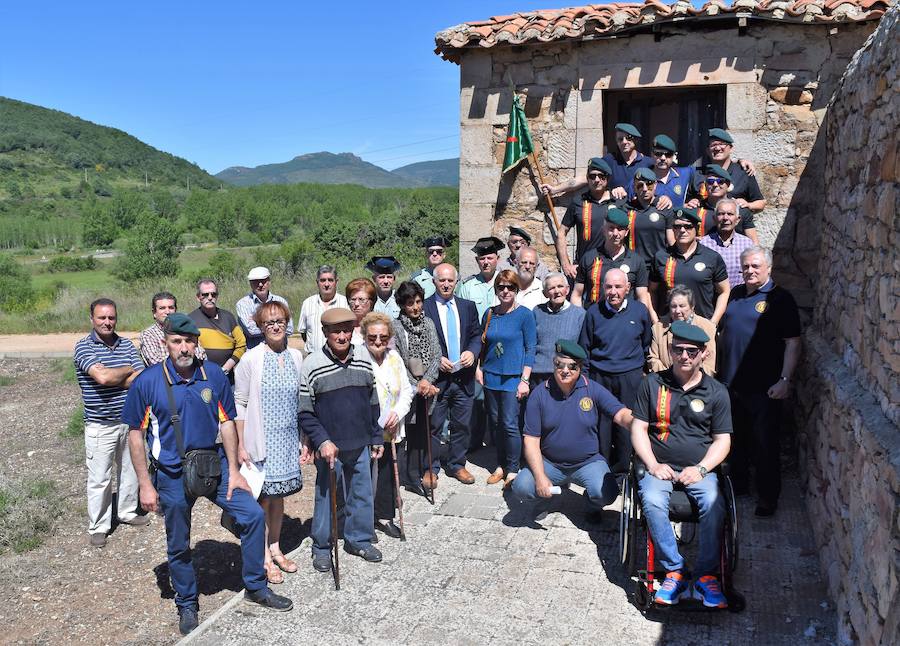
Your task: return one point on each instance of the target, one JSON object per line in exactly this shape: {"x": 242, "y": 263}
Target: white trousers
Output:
{"x": 105, "y": 449}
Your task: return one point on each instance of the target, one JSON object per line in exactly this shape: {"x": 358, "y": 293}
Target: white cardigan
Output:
{"x": 247, "y": 393}
{"x": 394, "y": 390}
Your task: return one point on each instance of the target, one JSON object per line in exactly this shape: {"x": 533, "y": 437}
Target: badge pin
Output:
{"x": 677, "y": 190}
{"x": 697, "y": 405}
{"x": 700, "y": 266}
{"x": 761, "y": 306}
{"x": 625, "y": 268}
{"x": 206, "y": 395}
{"x": 586, "y": 404}
{"x": 654, "y": 217}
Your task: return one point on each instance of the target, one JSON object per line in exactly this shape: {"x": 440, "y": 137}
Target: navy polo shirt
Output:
{"x": 699, "y": 272}
{"x": 647, "y": 229}
{"x": 587, "y": 215}
{"x": 103, "y": 403}
{"x": 682, "y": 423}
{"x": 594, "y": 265}
{"x": 677, "y": 185}
{"x": 753, "y": 330}
{"x": 203, "y": 402}
{"x": 623, "y": 172}
{"x": 568, "y": 424}
{"x": 616, "y": 342}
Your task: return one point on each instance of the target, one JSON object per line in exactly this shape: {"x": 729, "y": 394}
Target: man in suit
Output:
{"x": 456, "y": 320}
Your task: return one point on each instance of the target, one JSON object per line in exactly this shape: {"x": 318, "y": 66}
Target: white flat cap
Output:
{"x": 258, "y": 273}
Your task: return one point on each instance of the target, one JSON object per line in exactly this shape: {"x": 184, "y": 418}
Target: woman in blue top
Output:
{"x": 509, "y": 338}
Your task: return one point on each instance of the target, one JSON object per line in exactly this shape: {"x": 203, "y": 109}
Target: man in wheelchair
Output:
{"x": 682, "y": 432}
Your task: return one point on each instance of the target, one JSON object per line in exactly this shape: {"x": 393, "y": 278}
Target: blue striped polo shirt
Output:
{"x": 103, "y": 403}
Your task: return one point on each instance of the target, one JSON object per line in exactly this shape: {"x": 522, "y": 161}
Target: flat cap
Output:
{"x": 628, "y": 129}
{"x": 687, "y": 332}
{"x": 489, "y": 244}
{"x": 568, "y": 348}
{"x": 337, "y": 315}
{"x": 686, "y": 214}
{"x": 178, "y": 323}
{"x": 435, "y": 241}
{"x": 717, "y": 171}
{"x": 645, "y": 174}
{"x": 617, "y": 216}
{"x": 522, "y": 233}
{"x": 259, "y": 273}
{"x": 665, "y": 142}
{"x": 721, "y": 134}
{"x": 383, "y": 265}
{"x": 598, "y": 163}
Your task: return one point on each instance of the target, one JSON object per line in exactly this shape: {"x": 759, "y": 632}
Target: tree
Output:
{"x": 16, "y": 292}
{"x": 151, "y": 250}
{"x": 98, "y": 227}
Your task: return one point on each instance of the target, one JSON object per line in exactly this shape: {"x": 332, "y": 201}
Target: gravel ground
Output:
{"x": 67, "y": 591}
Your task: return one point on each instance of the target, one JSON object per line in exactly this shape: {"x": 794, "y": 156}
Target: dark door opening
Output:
{"x": 685, "y": 114}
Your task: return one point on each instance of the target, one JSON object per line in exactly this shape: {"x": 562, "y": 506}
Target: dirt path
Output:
{"x": 66, "y": 591}
{"x": 60, "y": 345}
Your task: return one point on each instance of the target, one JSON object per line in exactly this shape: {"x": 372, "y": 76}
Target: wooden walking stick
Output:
{"x": 429, "y": 493}
{"x": 335, "y": 561}
{"x": 397, "y": 489}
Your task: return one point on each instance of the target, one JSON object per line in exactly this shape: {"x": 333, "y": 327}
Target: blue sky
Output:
{"x": 228, "y": 83}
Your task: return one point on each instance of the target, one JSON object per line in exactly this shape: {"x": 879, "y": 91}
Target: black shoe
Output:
{"x": 374, "y": 537}
{"x": 187, "y": 620}
{"x": 765, "y": 510}
{"x": 388, "y": 528}
{"x": 594, "y": 517}
{"x": 416, "y": 489}
{"x": 369, "y": 553}
{"x": 268, "y": 599}
{"x": 322, "y": 562}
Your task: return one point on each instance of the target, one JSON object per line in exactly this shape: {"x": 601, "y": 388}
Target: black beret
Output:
{"x": 489, "y": 244}
{"x": 383, "y": 265}
{"x": 436, "y": 241}
{"x": 522, "y": 233}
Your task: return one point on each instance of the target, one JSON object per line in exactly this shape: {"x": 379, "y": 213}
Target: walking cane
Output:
{"x": 397, "y": 490}
{"x": 418, "y": 370}
{"x": 429, "y": 493}
{"x": 335, "y": 561}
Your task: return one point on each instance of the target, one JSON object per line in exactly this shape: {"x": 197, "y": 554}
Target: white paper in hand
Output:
{"x": 255, "y": 475}
{"x": 384, "y": 417}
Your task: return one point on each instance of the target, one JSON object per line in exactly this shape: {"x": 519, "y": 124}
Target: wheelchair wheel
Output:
{"x": 642, "y": 598}
{"x": 626, "y": 547}
{"x": 731, "y": 526}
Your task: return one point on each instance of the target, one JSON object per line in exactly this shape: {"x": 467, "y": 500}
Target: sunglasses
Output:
{"x": 663, "y": 153}
{"x": 274, "y": 323}
{"x": 504, "y": 287}
{"x": 432, "y": 252}
{"x": 372, "y": 338}
{"x": 686, "y": 227}
{"x": 566, "y": 365}
{"x": 715, "y": 181}
{"x": 596, "y": 176}
{"x": 644, "y": 184}
{"x": 209, "y": 294}
{"x": 678, "y": 350}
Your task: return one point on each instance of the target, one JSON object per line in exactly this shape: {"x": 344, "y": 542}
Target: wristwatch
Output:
{"x": 702, "y": 470}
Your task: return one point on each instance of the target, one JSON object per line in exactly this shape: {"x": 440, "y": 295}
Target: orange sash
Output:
{"x": 669, "y": 273}
{"x": 663, "y": 413}
{"x": 632, "y": 216}
{"x": 586, "y": 220}
{"x": 702, "y": 213}
{"x": 596, "y": 270}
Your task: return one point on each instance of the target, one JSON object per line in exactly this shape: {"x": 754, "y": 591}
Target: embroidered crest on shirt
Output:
{"x": 761, "y": 306}
{"x": 206, "y": 395}
{"x": 586, "y": 404}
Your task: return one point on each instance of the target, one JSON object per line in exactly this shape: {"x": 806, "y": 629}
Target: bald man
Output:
{"x": 616, "y": 335}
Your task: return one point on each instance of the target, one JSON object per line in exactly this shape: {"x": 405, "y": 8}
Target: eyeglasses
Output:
{"x": 372, "y": 338}
{"x": 274, "y": 322}
{"x": 259, "y": 281}
{"x": 360, "y": 301}
{"x": 571, "y": 366}
{"x": 644, "y": 184}
{"x": 596, "y": 176}
{"x": 504, "y": 287}
{"x": 678, "y": 350}
{"x": 715, "y": 181}
{"x": 686, "y": 227}
{"x": 209, "y": 294}
{"x": 663, "y": 153}
{"x": 435, "y": 252}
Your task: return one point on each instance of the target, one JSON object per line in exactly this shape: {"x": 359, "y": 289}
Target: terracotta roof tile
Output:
{"x": 570, "y": 23}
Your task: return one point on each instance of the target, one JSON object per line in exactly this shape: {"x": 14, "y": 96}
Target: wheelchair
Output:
{"x": 636, "y": 543}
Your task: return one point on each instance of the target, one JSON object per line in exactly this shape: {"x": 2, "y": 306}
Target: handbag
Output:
{"x": 201, "y": 469}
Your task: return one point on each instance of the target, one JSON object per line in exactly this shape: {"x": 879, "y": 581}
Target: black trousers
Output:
{"x": 615, "y": 440}
{"x": 386, "y": 493}
{"x": 455, "y": 403}
{"x": 757, "y": 442}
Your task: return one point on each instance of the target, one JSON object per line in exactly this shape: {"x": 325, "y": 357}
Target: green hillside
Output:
{"x": 439, "y": 172}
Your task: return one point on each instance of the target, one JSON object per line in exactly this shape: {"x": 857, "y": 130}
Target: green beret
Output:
{"x": 490, "y": 244}
{"x": 717, "y": 171}
{"x": 177, "y": 323}
{"x": 598, "y": 163}
{"x": 687, "y": 332}
{"x": 628, "y": 129}
{"x": 665, "y": 142}
{"x": 721, "y": 135}
{"x": 617, "y": 216}
{"x": 645, "y": 174}
{"x": 686, "y": 214}
{"x": 568, "y": 348}
{"x": 522, "y": 233}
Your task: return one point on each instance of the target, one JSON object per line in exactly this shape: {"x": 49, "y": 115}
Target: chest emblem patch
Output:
{"x": 586, "y": 404}
{"x": 677, "y": 189}
{"x": 697, "y": 405}
{"x": 654, "y": 217}
{"x": 761, "y": 306}
{"x": 700, "y": 266}
{"x": 206, "y": 395}
{"x": 625, "y": 268}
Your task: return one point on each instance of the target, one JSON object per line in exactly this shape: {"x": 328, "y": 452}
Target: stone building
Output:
{"x": 765, "y": 70}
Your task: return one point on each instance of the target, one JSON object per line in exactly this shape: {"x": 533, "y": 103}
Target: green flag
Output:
{"x": 518, "y": 138}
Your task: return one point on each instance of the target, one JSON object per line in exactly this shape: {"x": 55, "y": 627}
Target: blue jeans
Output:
{"x": 249, "y": 519}
{"x": 598, "y": 482}
{"x": 503, "y": 415}
{"x": 655, "y": 495}
{"x": 354, "y": 474}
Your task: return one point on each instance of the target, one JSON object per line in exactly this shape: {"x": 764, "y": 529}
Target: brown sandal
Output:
{"x": 284, "y": 563}
{"x": 273, "y": 574}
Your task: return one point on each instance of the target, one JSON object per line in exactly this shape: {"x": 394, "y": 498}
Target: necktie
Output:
{"x": 452, "y": 335}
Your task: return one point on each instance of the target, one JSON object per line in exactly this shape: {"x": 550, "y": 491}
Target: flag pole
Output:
{"x": 549, "y": 199}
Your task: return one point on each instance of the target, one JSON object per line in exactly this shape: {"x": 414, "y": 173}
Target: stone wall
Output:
{"x": 847, "y": 404}
{"x": 778, "y": 79}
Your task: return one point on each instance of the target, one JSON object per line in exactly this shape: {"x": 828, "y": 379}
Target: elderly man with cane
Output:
{"x": 339, "y": 413}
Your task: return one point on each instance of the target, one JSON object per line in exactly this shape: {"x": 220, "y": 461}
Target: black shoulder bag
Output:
{"x": 201, "y": 469}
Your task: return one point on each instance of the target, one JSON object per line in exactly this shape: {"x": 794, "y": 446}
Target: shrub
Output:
{"x": 16, "y": 292}
{"x": 151, "y": 250}
{"x": 71, "y": 263}
{"x": 29, "y": 511}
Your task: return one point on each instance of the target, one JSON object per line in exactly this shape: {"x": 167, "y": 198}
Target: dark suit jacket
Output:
{"x": 469, "y": 339}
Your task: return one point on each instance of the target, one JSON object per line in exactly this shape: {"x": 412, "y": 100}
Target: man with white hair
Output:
{"x": 726, "y": 241}
{"x": 260, "y": 279}
{"x": 531, "y": 292}
{"x": 554, "y": 320}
